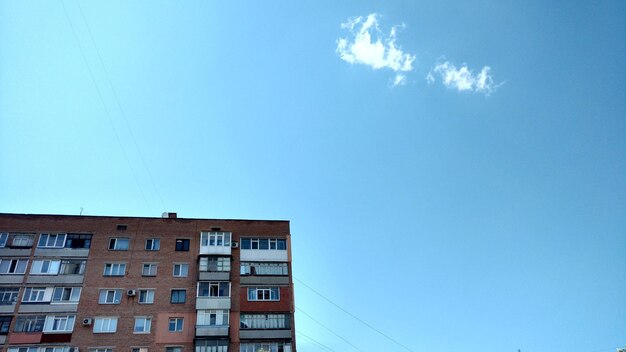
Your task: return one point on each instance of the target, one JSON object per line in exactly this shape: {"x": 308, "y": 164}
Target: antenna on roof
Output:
{"x": 81, "y": 210}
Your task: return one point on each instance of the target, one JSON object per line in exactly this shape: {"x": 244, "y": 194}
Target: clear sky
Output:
{"x": 454, "y": 171}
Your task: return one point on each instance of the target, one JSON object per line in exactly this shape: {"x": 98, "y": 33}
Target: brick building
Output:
{"x": 137, "y": 284}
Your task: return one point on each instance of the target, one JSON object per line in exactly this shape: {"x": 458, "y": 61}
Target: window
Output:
{"x": 181, "y": 270}
{"x": 214, "y": 289}
{"x": 264, "y": 243}
{"x": 66, "y": 295}
{"x": 114, "y": 269}
{"x": 146, "y": 296}
{"x": 142, "y": 325}
{"x": 153, "y": 244}
{"x": 5, "y": 322}
{"x": 23, "y": 349}
{"x": 182, "y": 244}
{"x": 178, "y": 296}
{"x": 4, "y": 236}
{"x": 214, "y": 264}
{"x": 13, "y": 266}
{"x": 149, "y": 269}
{"x": 221, "y": 239}
{"x": 30, "y": 323}
{"x": 8, "y": 295}
{"x": 264, "y": 269}
{"x": 265, "y": 347}
{"x": 36, "y": 294}
{"x": 175, "y": 325}
{"x": 104, "y": 325}
{"x": 100, "y": 350}
{"x": 263, "y": 294}
{"x": 264, "y": 321}
{"x": 51, "y": 240}
{"x": 212, "y": 317}
{"x": 139, "y": 349}
{"x": 78, "y": 241}
{"x": 22, "y": 240}
{"x": 174, "y": 349}
{"x": 118, "y": 244}
{"x": 211, "y": 345}
{"x": 45, "y": 267}
{"x": 72, "y": 267}
{"x": 110, "y": 296}
{"x": 59, "y": 323}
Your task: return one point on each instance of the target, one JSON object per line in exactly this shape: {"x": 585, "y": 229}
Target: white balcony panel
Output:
{"x": 55, "y": 279}
{"x": 212, "y": 303}
{"x": 214, "y": 276}
{"x": 7, "y": 308}
{"x": 217, "y": 250}
{"x": 260, "y": 255}
{"x": 11, "y": 279}
{"x": 14, "y": 252}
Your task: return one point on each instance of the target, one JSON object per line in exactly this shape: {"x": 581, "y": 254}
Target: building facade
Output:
{"x": 138, "y": 284}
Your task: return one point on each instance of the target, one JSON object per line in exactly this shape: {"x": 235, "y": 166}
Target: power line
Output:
{"x": 119, "y": 105}
{"x": 354, "y": 316}
{"x": 332, "y": 332}
{"x": 315, "y": 341}
{"x": 106, "y": 110}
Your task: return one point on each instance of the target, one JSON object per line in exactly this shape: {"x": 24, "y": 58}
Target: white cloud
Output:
{"x": 463, "y": 79}
{"x": 367, "y": 45}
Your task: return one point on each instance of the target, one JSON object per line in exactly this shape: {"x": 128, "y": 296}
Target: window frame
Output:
{"x": 269, "y": 290}
{"x": 5, "y": 324}
{"x": 12, "y": 268}
{"x": 48, "y": 237}
{"x": 150, "y": 266}
{"x": 178, "y": 292}
{"x": 152, "y": 246}
{"x": 263, "y": 243}
{"x": 72, "y": 291}
{"x": 9, "y": 295}
{"x": 147, "y": 295}
{"x": 41, "y": 294}
{"x": 211, "y": 284}
{"x": 100, "y": 320}
{"x": 208, "y": 263}
{"x": 147, "y": 324}
{"x": 120, "y": 266}
{"x": 176, "y": 320}
{"x": 180, "y": 265}
{"x": 52, "y": 267}
{"x": 4, "y": 238}
{"x": 70, "y": 320}
{"x": 185, "y": 244}
{"x": 114, "y": 242}
{"x": 106, "y": 292}
{"x": 29, "y": 323}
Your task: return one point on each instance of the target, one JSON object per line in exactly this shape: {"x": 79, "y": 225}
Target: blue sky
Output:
{"x": 454, "y": 172}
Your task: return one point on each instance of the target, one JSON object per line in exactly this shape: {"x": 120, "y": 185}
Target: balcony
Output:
{"x": 55, "y": 279}
{"x": 211, "y": 330}
{"x": 212, "y": 303}
{"x": 62, "y": 252}
{"x": 264, "y": 280}
{"x": 265, "y": 334}
{"x": 48, "y": 308}
{"x": 14, "y": 252}
{"x": 214, "y": 276}
{"x": 264, "y": 255}
{"x": 7, "y": 308}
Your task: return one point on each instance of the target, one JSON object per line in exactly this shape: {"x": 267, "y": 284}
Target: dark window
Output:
{"x": 245, "y": 243}
{"x": 178, "y": 296}
{"x": 182, "y": 244}
{"x": 78, "y": 241}
{"x": 5, "y": 322}
{"x": 31, "y": 323}
{"x": 122, "y": 227}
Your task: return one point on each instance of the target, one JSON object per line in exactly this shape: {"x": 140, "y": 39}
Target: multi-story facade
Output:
{"x": 137, "y": 284}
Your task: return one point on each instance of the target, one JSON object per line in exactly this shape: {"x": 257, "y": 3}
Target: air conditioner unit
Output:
{"x": 86, "y": 322}
{"x": 131, "y": 293}
{"x": 235, "y": 244}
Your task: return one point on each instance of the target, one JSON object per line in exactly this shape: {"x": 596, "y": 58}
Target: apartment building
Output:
{"x": 139, "y": 284}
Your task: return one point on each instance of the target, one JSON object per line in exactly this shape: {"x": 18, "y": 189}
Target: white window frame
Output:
{"x": 101, "y": 349}
{"x": 105, "y": 293}
{"x": 222, "y": 264}
{"x": 176, "y": 320}
{"x": 37, "y": 295}
{"x": 23, "y": 263}
{"x": 265, "y": 346}
{"x": 215, "y": 238}
{"x": 150, "y": 267}
{"x": 114, "y": 243}
{"x": 66, "y": 321}
{"x": 105, "y": 325}
{"x": 22, "y": 240}
{"x": 119, "y": 266}
{"x": 214, "y": 283}
{"x": 207, "y": 316}
{"x": 67, "y": 262}
{"x": 154, "y": 244}
{"x": 253, "y": 293}
{"x": 180, "y": 269}
{"x": 147, "y": 325}
{"x": 45, "y": 267}
{"x": 74, "y": 296}
{"x": 149, "y": 293}
{"x": 139, "y": 349}
{"x": 51, "y": 240}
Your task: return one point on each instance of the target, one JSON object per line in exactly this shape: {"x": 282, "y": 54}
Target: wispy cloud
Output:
{"x": 463, "y": 79}
{"x": 366, "y": 44}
